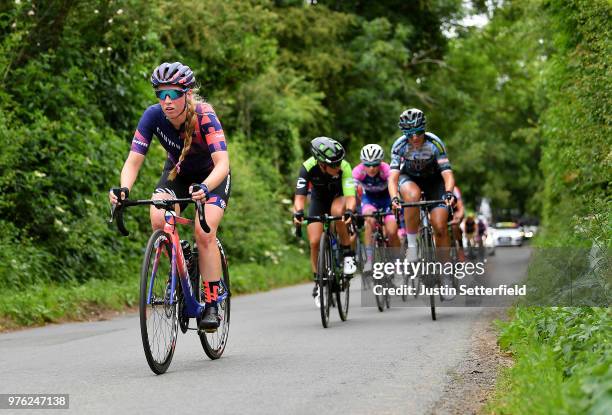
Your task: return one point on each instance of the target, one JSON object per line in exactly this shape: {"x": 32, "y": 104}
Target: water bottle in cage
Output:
{"x": 335, "y": 251}
{"x": 187, "y": 254}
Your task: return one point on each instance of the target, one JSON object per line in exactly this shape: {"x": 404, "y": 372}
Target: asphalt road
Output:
{"x": 279, "y": 359}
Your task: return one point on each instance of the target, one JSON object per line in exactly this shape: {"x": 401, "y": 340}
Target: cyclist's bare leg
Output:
{"x": 457, "y": 236}
{"x": 370, "y": 223}
{"x": 439, "y": 222}
{"x": 209, "y": 258}
{"x": 337, "y": 209}
{"x": 157, "y": 215}
{"x": 314, "y": 230}
{"x": 411, "y": 192}
{"x": 391, "y": 231}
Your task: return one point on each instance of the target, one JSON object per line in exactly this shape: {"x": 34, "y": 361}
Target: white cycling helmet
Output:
{"x": 371, "y": 154}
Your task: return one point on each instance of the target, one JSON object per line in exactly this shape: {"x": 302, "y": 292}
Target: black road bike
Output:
{"x": 426, "y": 249}
{"x": 334, "y": 286}
{"x": 381, "y": 255}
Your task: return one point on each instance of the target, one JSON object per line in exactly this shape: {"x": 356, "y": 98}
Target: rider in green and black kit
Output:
{"x": 332, "y": 191}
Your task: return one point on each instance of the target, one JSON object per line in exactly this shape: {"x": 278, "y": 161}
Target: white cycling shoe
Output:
{"x": 447, "y": 282}
{"x": 411, "y": 254}
{"x": 350, "y": 266}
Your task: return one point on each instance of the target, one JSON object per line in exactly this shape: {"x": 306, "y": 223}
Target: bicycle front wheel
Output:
{"x": 430, "y": 280}
{"x": 342, "y": 296}
{"x": 381, "y": 299}
{"x": 158, "y": 314}
{"x": 214, "y": 343}
{"x": 324, "y": 270}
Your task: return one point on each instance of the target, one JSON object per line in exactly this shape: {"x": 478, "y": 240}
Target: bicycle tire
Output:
{"x": 428, "y": 247}
{"x": 323, "y": 267}
{"x": 342, "y": 294}
{"x": 158, "y": 309}
{"x": 388, "y": 280}
{"x": 380, "y": 300}
{"x": 214, "y": 343}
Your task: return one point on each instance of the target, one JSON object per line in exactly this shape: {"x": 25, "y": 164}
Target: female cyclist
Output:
{"x": 189, "y": 130}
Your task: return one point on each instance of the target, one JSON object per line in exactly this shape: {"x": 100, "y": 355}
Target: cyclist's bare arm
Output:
{"x": 220, "y": 171}
{"x": 129, "y": 172}
{"x": 449, "y": 180}
{"x": 458, "y": 212}
{"x": 393, "y": 183}
{"x": 298, "y": 205}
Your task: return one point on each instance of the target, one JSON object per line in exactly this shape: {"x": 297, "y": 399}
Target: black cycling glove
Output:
{"x": 299, "y": 215}
{"x": 450, "y": 196}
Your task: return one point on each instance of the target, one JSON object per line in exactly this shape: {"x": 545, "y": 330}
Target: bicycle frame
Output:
{"x": 179, "y": 266}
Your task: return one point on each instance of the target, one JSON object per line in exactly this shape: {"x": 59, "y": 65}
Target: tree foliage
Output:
{"x": 507, "y": 99}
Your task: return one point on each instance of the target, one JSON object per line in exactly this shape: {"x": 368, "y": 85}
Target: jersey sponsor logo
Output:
{"x": 301, "y": 183}
{"x": 166, "y": 139}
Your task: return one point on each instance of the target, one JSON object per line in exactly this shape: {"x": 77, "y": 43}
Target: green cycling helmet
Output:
{"x": 327, "y": 150}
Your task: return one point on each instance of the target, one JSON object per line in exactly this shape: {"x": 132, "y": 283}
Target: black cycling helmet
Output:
{"x": 173, "y": 74}
{"x": 412, "y": 119}
{"x": 327, "y": 150}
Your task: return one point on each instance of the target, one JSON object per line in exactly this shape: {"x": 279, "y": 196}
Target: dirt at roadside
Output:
{"x": 89, "y": 313}
{"x": 473, "y": 380}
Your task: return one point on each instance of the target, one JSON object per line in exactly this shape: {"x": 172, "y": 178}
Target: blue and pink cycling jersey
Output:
{"x": 375, "y": 188}
{"x": 206, "y": 139}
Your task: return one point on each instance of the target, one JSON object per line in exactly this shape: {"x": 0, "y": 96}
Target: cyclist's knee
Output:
{"x": 314, "y": 245}
{"x": 157, "y": 221}
{"x": 337, "y": 209}
{"x": 439, "y": 230}
{"x": 410, "y": 192}
{"x": 206, "y": 239}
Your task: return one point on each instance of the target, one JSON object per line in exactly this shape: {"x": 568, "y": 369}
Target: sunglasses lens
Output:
{"x": 172, "y": 93}
{"x": 410, "y": 133}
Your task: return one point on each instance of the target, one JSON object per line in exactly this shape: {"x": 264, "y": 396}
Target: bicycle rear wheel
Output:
{"x": 324, "y": 264}
{"x": 214, "y": 343}
{"x": 158, "y": 318}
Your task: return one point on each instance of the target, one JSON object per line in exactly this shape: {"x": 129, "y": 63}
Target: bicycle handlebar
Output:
{"x": 421, "y": 204}
{"x": 167, "y": 204}
{"x": 324, "y": 218}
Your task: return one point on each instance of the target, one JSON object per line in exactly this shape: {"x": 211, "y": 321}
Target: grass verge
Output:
{"x": 563, "y": 362}
{"x": 51, "y": 303}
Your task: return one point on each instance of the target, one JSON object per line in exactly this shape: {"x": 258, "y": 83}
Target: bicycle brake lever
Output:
{"x": 117, "y": 214}
{"x": 201, "y": 217}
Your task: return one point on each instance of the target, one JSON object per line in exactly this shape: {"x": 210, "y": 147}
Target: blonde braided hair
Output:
{"x": 190, "y": 124}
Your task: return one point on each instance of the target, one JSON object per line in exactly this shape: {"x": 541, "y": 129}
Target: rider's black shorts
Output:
{"x": 320, "y": 205}
{"x": 179, "y": 188}
{"x": 432, "y": 186}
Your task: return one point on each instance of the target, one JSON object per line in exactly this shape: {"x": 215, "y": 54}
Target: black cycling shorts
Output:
{"x": 432, "y": 186}
{"x": 179, "y": 188}
{"x": 320, "y": 205}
